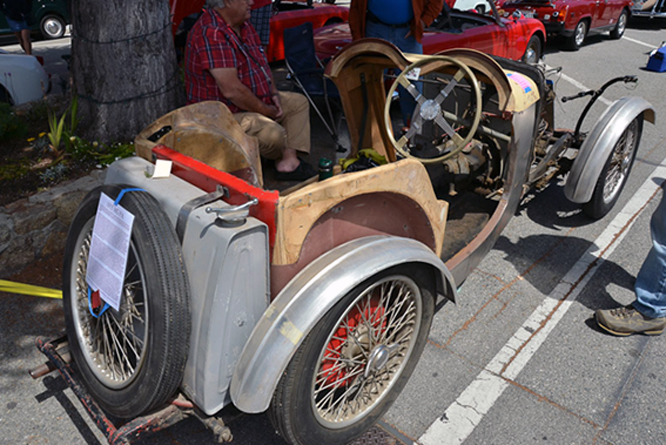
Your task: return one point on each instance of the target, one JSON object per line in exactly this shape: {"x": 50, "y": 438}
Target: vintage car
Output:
{"x": 573, "y": 20}
{"x": 22, "y": 78}
{"x": 515, "y": 38}
{"x": 49, "y": 17}
{"x": 286, "y": 14}
{"x": 314, "y": 302}
{"x": 649, "y": 9}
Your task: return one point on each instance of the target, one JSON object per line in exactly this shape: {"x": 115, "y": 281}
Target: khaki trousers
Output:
{"x": 292, "y": 130}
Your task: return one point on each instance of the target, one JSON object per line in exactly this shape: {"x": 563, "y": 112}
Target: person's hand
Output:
{"x": 278, "y": 105}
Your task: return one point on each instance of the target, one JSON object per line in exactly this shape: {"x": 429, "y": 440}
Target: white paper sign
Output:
{"x": 162, "y": 168}
{"x": 109, "y": 250}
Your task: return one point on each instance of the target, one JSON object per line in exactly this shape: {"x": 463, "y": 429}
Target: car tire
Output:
{"x": 368, "y": 344}
{"x": 5, "y": 97}
{"x": 615, "y": 172}
{"x": 533, "y": 50}
{"x": 131, "y": 360}
{"x": 620, "y": 26}
{"x": 333, "y": 21}
{"x": 52, "y": 26}
{"x": 575, "y": 40}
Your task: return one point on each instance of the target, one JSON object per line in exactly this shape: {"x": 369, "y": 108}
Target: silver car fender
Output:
{"x": 307, "y": 298}
{"x": 599, "y": 143}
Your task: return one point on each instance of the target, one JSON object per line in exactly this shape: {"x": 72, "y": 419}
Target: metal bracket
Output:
{"x": 235, "y": 214}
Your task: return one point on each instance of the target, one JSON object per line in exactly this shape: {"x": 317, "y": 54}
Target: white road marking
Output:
{"x": 579, "y": 85}
{"x": 638, "y": 42}
{"x": 461, "y": 417}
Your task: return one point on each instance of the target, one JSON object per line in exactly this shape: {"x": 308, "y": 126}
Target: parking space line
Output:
{"x": 638, "y": 42}
{"x": 461, "y": 418}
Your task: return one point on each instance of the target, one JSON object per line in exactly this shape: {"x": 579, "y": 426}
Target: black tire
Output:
{"x": 620, "y": 26}
{"x": 5, "y": 97}
{"x": 52, "y": 26}
{"x": 533, "y": 50}
{"x": 327, "y": 371}
{"x": 575, "y": 40}
{"x": 616, "y": 170}
{"x": 333, "y": 21}
{"x": 147, "y": 365}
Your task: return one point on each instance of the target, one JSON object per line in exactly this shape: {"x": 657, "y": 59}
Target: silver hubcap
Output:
{"x": 530, "y": 55}
{"x": 580, "y": 33}
{"x": 621, "y": 24}
{"x": 113, "y": 344}
{"x": 53, "y": 27}
{"x": 366, "y": 351}
{"x": 620, "y": 162}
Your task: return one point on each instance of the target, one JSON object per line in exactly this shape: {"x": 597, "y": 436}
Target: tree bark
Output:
{"x": 123, "y": 67}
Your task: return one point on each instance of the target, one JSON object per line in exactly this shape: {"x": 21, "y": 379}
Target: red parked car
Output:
{"x": 575, "y": 19}
{"x": 289, "y": 14}
{"x": 286, "y": 14}
{"x": 516, "y": 38}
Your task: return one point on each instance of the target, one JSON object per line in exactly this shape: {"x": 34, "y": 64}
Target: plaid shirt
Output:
{"x": 213, "y": 44}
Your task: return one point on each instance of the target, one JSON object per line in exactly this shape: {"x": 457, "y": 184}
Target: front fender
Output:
{"x": 307, "y": 298}
{"x": 599, "y": 143}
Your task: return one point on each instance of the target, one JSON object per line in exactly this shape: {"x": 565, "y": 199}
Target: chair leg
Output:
{"x": 329, "y": 126}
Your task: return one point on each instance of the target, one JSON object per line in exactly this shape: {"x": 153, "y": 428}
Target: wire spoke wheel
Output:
{"x": 114, "y": 343}
{"x": 132, "y": 359}
{"x": 366, "y": 351}
{"x": 615, "y": 172}
{"x": 353, "y": 364}
{"x": 620, "y": 162}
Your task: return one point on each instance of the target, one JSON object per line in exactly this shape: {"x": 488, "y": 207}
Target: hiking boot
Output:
{"x": 627, "y": 320}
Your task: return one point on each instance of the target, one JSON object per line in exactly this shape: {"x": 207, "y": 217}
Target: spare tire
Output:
{"x": 131, "y": 360}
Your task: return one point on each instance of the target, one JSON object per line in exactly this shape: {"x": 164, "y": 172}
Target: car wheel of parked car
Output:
{"x": 131, "y": 360}
{"x": 620, "y": 26}
{"x": 575, "y": 40}
{"x": 5, "y": 97}
{"x": 354, "y": 363}
{"x": 333, "y": 21}
{"x": 52, "y": 26}
{"x": 533, "y": 51}
{"x": 614, "y": 175}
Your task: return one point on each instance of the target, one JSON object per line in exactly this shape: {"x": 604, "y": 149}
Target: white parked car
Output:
{"x": 22, "y": 78}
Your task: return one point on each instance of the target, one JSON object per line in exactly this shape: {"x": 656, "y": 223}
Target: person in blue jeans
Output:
{"x": 647, "y": 314}
{"x": 17, "y": 13}
{"x": 400, "y": 22}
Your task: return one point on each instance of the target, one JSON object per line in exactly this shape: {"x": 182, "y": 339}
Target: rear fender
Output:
{"x": 599, "y": 143}
{"x": 307, "y": 298}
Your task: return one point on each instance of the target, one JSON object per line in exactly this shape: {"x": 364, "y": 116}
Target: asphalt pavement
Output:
{"x": 518, "y": 359}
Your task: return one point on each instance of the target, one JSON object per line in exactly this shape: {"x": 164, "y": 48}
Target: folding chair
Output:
{"x": 307, "y": 72}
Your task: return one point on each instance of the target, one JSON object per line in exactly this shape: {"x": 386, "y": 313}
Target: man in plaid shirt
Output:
{"x": 225, "y": 61}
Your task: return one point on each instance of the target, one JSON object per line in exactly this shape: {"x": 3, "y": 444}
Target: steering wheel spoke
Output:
{"x": 450, "y": 73}
{"x": 444, "y": 125}
{"x": 460, "y": 75}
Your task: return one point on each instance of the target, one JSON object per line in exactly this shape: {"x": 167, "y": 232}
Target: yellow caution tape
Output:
{"x": 29, "y": 289}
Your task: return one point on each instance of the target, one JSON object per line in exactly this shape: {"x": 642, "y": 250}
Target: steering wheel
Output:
{"x": 431, "y": 110}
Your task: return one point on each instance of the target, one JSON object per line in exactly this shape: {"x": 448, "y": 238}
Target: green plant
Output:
{"x": 73, "y": 115}
{"x": 56, "y": 128}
